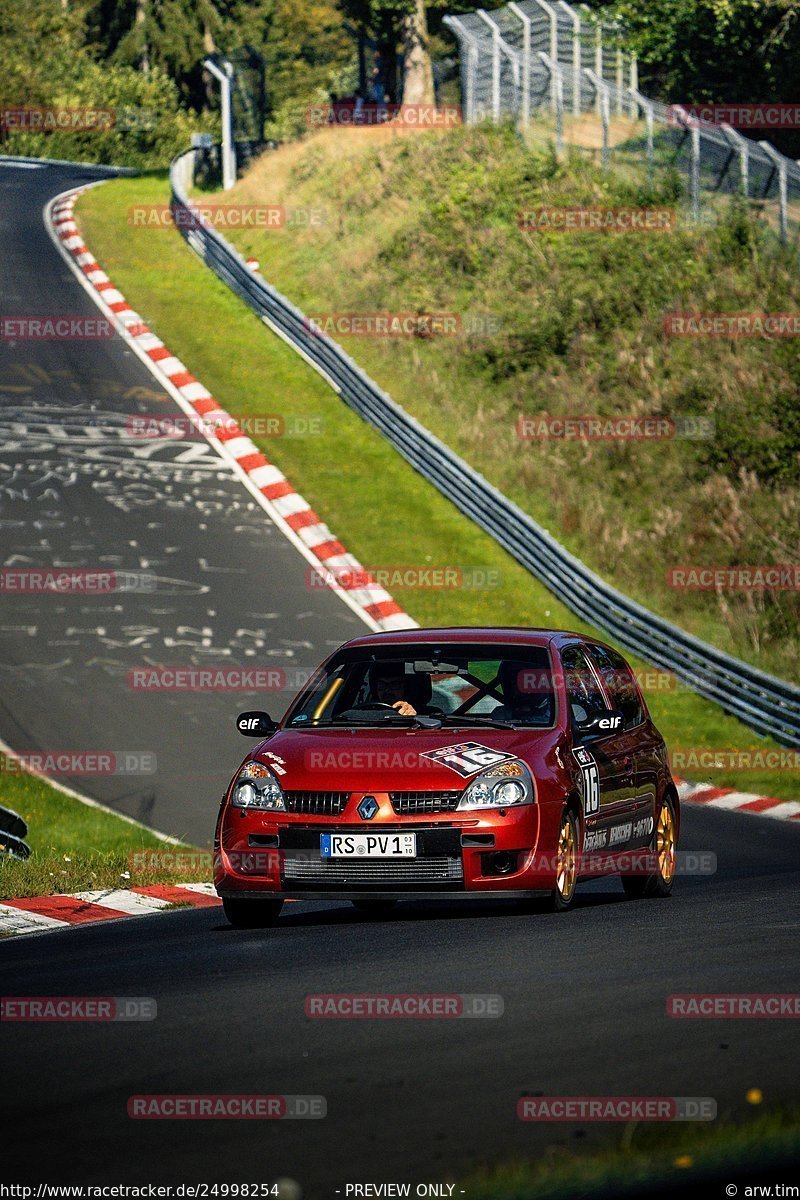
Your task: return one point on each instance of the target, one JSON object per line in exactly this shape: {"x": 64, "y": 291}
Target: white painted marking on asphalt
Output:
{"x": 123, "y": 901}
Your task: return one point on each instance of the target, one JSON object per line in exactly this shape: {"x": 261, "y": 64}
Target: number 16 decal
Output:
{"x": 590, "y": 781}
{"x": 467, "y": 758}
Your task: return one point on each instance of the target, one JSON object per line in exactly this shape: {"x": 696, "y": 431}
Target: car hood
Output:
{"x": 383, "y": 760}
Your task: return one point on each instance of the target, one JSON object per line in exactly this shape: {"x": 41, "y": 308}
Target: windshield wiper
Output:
{"x": 478, "y": 719}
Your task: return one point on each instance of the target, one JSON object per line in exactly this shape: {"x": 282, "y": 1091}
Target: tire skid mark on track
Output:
{"x": 287, "y": 508}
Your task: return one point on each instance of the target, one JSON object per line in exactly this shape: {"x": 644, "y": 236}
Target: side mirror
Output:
{"x": 255, "y": 724}
{"x": 602, "y": 726}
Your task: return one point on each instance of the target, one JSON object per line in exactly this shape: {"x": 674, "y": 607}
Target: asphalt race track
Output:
{"x": 409, "y": 1100}
{"x": 77, "y": 490}
{"x": 584, "y": 993}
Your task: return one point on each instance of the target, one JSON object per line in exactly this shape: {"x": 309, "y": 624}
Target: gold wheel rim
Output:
{"x": 665, "y": 844}
{"x": 566, "y": 865}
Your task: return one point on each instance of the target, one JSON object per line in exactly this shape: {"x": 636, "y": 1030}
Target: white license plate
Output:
{"x": 368, "y": 845}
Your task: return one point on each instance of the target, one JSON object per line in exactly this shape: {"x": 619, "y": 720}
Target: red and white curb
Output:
{"x": 287, "y": 508}
{"x": 39, "y": 914}
{"x": 745, "y": 802}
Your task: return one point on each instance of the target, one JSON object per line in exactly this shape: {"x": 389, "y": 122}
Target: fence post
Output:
{"x": 620, "y": 72}
{"x": 558, "y": 86}
{"x": 783, "y": 190}
{"x": 742, "y": 145}
{"x": 551, "y": 14}
{"x": 576, "y": 55}
{"x": 470, "y": 61}
{"x": 499, "y": 44}
{"x": 640, "y": 101}
{"x": 602, "y": 89}
{"x": 526, "y": 61}
{"x": 634, "y": 84}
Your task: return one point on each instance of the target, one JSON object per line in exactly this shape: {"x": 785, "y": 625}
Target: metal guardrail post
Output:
{"x": 783, "y": 189}
{"x": 558, "y": 85}
{"x": 553, "y": 19}
{"x": 525, "y": 115}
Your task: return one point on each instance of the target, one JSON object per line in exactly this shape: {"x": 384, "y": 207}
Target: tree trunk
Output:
{"x": 141, "y": 19}
{"x": 417, "y": 70}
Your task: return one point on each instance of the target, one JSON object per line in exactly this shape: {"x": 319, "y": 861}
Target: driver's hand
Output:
{"x": 404, "y": 708}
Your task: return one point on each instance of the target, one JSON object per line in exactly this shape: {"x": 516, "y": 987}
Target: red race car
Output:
{"x": 449, "y": 763}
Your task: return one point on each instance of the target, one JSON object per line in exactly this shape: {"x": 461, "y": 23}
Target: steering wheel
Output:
{"x": 373, "y": 704}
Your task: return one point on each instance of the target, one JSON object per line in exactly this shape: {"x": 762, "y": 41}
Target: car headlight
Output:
{"x": 507, "y": 785}
{"x": 257, "y": 787}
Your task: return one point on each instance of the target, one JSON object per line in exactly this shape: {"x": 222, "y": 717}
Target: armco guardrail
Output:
{"x": 13, "y": 831}
{"x": 769, "y": 705}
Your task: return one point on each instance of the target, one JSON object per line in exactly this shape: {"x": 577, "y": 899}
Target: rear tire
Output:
{"x": 664, "y": 844}
{"x": 562, "y": 896}
{"x": 374, "y": 906}
{"x": 251, "y": 914}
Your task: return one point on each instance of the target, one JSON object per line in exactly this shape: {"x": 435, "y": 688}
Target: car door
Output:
{"x": 620, "y": 686}
{"x": 605, "y": 759}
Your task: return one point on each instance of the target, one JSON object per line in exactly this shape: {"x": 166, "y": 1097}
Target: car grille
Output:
{"x": 327, "y": 804}
{"x": 405, "y": 803}
{"x": 384, "y": 871}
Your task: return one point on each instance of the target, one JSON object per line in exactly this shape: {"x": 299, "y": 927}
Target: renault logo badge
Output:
{"x": 367, "y": 808}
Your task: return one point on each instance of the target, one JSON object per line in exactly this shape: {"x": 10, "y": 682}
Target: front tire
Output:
{"x": 658, "y": 885}
{"x": 562, "y": 896}
{"x": 251, "y": 914}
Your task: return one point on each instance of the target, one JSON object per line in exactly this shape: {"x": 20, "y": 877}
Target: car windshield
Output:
{"x": 455, "y": 684}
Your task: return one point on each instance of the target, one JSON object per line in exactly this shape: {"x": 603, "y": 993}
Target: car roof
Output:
{"x": 453, "y": 635}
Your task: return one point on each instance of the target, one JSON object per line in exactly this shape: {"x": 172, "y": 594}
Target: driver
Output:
{"x": 386, "y": 686}
{"x": 526, "y": 705}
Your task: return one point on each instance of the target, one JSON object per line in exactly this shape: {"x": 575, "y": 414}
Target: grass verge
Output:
{"x": 384, "y": 512}
{"x": 76, "y": 847}
{"x": 652, "y": 1160}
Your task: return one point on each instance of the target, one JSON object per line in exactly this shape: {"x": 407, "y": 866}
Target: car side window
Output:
{"x": 618, "y": 681}
{"x": 586, "y": 700}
